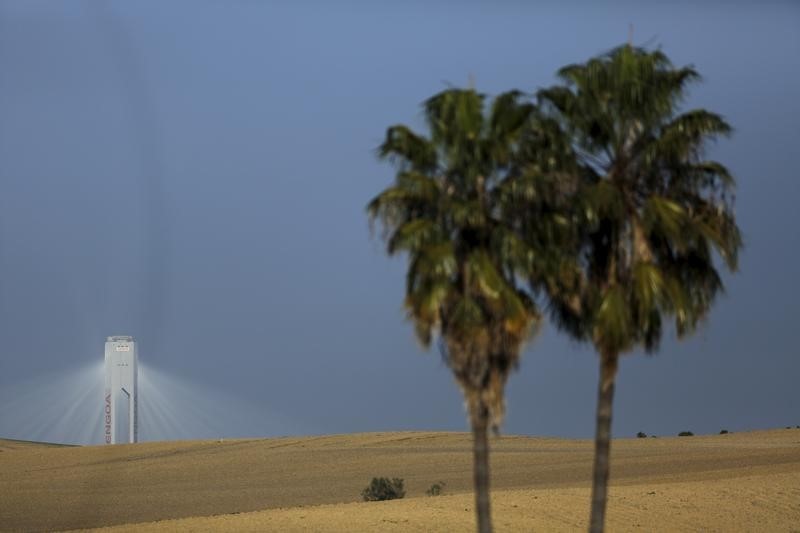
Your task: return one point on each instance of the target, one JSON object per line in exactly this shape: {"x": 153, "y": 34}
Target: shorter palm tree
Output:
{"x": 654, "y": 215}
{"x": 445, "y": 212}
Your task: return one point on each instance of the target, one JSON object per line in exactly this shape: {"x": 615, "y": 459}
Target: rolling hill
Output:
{"x": 728, "y": 482}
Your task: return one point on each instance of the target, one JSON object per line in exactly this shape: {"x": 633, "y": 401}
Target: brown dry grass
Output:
{"x": 747, "y": 481}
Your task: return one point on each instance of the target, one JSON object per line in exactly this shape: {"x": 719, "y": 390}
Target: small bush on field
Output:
{"x": 723, "y": 432}
{"x": 383, "y": 488}
{"x": 436, "y": 489}
{"x": 641, "y": 435}
{"x": 686, "y": 434}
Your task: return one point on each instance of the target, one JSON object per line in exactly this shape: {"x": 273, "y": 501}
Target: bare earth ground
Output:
{"x": 737, "y": 482}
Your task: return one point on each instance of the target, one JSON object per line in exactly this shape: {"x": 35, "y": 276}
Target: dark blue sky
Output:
{"x": 194, "y": 174}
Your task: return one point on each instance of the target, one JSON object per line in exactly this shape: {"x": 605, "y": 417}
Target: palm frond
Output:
{"x": 405, "y": 148}
{"x": 414, "y": 235}
{"x": 613, "y": 329}
{"x": 666, "y": 218}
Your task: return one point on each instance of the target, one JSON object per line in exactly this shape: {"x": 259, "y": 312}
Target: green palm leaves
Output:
{"x": 445, "y": 211}
{"x": 655, "y": 212}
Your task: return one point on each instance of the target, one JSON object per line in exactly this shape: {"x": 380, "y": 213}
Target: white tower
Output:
{"x": 119, "y": 407}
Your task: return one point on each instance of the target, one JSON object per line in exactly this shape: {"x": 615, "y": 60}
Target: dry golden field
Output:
{"x": 736, "y": 482}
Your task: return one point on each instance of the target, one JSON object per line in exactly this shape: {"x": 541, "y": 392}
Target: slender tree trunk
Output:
{"x": 480, "y": 446}
{"x": 602, "y": 441}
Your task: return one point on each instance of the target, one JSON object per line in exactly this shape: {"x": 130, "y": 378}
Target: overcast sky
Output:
{"x": 195, "y": 174}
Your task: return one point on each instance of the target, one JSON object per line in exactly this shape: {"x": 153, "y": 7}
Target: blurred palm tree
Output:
{"x": 446, "y": 211}
{"x": 652, "y": 216}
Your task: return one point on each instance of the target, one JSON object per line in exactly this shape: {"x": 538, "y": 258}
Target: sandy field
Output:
{"x": 736, "y": 482}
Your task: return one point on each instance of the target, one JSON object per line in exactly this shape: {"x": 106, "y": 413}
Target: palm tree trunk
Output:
{"x": 480, "y": 446}
{"x": 602, "y": 441}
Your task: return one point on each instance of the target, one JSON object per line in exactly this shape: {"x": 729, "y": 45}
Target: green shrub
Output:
{"x": 436, "y": 489}
{"x": 641, "y": 435}
{"x": 686, "y": 434}
{"x": 383, "y": 488}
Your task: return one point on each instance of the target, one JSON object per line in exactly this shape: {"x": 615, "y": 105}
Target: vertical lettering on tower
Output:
{"x": 107, "y": 412}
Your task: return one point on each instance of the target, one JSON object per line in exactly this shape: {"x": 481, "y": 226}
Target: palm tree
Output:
{"x": 445, "y": 212}
{"x": 655, "y": 216}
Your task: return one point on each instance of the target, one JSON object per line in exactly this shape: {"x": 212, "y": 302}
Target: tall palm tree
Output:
{"x": 656, "y": 216}
{"x": 445, "y": 212}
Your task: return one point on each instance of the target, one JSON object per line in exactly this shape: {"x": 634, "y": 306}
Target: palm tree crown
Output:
{"x": 654, "y": 211}
{"x": 444, "y": 210}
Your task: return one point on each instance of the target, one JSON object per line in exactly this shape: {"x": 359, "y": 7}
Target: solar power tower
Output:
{"x": 119, "y": 408}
